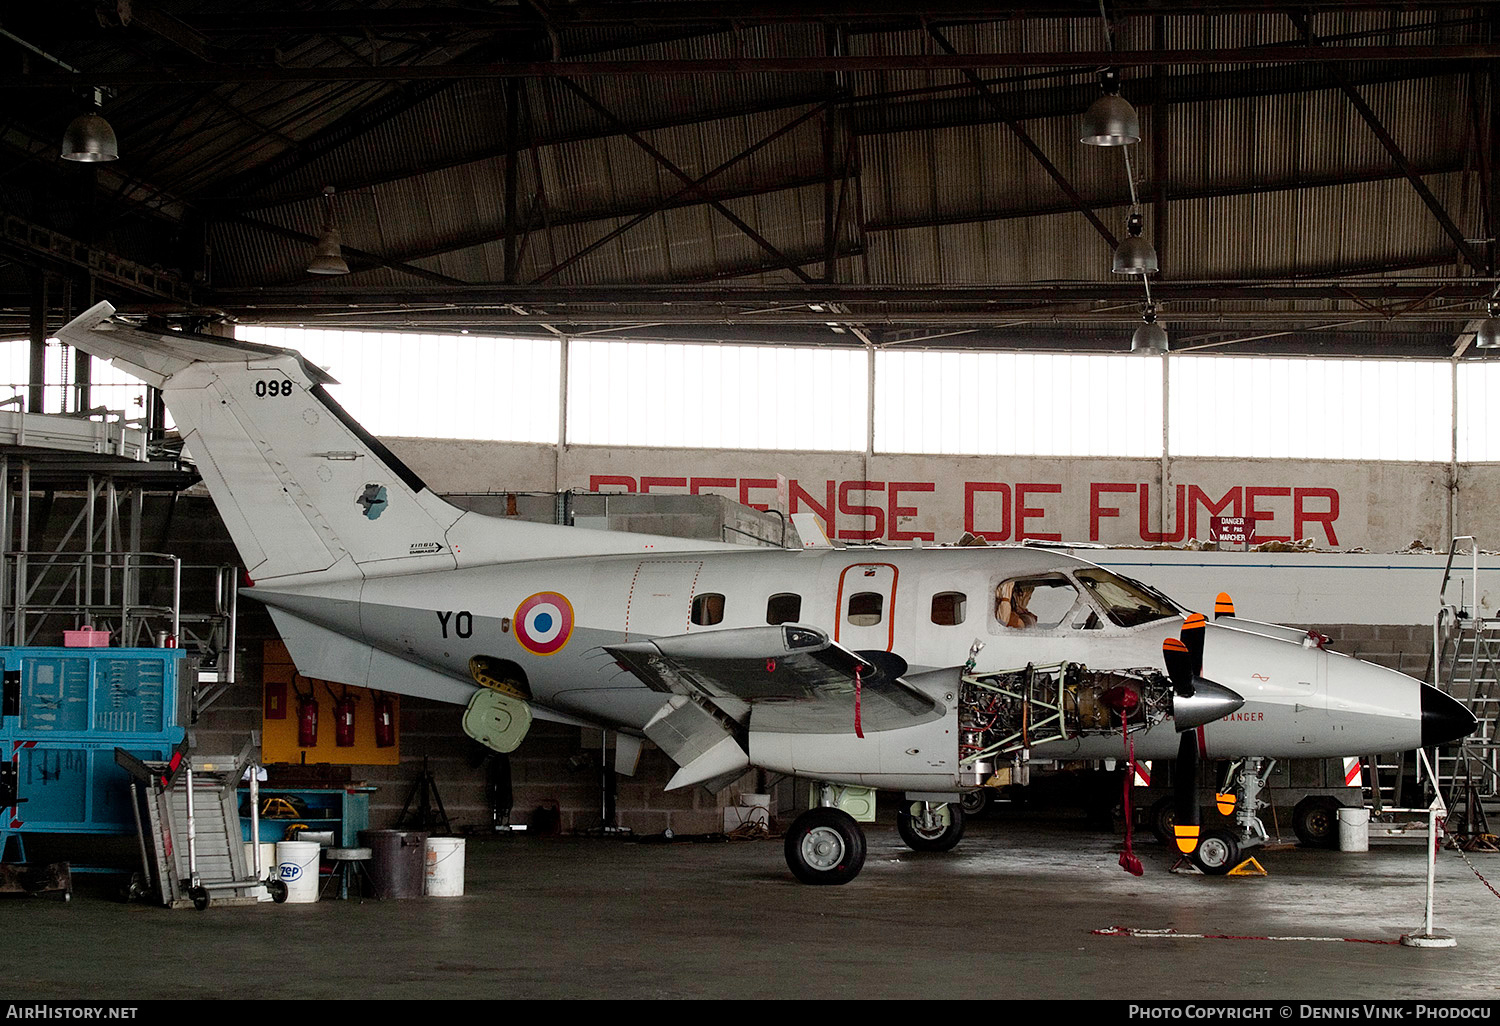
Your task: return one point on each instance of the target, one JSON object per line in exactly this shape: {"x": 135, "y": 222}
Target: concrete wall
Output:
{"x": 1343, "y": 505}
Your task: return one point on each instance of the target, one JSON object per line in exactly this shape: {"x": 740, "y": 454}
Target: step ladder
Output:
{"x": 192, "y": 849}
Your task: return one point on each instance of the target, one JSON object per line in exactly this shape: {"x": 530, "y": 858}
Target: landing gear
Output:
{"x": 1162, "y": 817}
{"x": 930, "y": 826}
{"x": 1316, "y": 821}
{"x": 1218, "y": 852}
{"x": 976, "y": 803}
{"x": 825, "y": 846}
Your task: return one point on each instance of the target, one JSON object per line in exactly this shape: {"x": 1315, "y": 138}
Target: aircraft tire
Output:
{"x": 1316, "y": 821}
{"x": 1161, "y": 818}
{"x": 1217, "y": 853}
{"x": 918, "y": 838}
{"x": 977, "y": 802}
{"x": 825, "y": 846}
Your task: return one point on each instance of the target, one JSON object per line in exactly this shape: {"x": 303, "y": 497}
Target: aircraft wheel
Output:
{"x": 1218, "y": 852}
{"x": 825, "y": 846}
{"x": 1162, "y": 818}
{"x": 938, "y": 832}
{"x": 976, "y": 803}
{"x": 1316, "y": 821}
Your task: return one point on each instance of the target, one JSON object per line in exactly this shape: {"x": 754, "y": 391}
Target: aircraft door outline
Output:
{"x": 858, "y": 580}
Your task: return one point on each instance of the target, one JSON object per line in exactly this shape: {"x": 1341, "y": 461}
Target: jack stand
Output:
{"x": 430, "y": 814}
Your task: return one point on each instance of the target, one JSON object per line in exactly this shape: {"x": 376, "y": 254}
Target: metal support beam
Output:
{"x": 37, "y": 367}
{"x": 1304, "y": 25}
{"x": 694, "y": 187}
{"x": 692, "y": 184}
{"x": 1029, "y": 143}
{"x": 693, "y": 68}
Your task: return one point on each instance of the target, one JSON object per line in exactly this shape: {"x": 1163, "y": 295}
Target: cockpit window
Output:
{"x": 1034, "y": 602}
{"x": 1125, "y": 602}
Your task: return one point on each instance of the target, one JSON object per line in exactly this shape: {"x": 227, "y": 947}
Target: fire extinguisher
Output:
{"x": 385, "y": 721}
{"x": 307, "y": 720}
{"x": 343, "y": 720}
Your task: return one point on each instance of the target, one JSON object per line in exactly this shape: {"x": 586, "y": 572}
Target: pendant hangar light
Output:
{"x": 328, "y": 258}
{"x": 1150, "y": 338}
{"x": 1488, "y": 334}
{"x": 1111, "y": 120}
{"x": 89, "y": 139}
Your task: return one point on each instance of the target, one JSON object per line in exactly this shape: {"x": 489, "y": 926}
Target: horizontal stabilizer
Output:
{"x": 154, "y": 356}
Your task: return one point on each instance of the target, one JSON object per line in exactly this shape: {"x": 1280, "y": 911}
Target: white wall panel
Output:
{"x": 984, "y": 404}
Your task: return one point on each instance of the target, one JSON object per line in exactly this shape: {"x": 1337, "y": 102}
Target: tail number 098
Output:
{"x": 273, "y": 388}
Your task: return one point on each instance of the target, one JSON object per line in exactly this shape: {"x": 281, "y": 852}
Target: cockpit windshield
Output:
{"x": 1125, "y": 602}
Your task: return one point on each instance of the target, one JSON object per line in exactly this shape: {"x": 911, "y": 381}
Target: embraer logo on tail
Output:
{"x": 373, "y": 500}
{"x": 425, "y": 548}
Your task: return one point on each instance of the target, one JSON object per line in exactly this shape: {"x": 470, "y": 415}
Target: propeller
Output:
{"x": 1195, "y": 701}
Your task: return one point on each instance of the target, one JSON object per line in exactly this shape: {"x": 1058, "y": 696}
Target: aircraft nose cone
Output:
{"x": 1444, "y": 718}
{"x": 1208, "y": 702}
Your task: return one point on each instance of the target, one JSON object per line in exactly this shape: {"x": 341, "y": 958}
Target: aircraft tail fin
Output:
{"x": 300, "y": 485}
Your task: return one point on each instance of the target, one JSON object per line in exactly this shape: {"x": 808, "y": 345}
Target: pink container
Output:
{"x": 86, "y": 638}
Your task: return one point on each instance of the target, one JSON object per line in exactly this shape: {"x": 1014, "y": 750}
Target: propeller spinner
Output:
{"x": 1195, "y": 701}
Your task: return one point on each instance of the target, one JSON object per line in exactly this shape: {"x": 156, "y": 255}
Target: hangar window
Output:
{"x": 716, "y": 396}
{"x": 435, "y": 386}
{"x": 708, "y": 609}
{"x": 784, "y": 608}
{"x": 945, "y": 402}
{"x": 948, "y": 608}
{"x": 866, "y": 608}
{"x": 1264, "y": 407}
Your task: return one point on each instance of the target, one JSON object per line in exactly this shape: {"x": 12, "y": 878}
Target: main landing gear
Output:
{"x": 826, "y": 846}
{"x": 930, "y": 826}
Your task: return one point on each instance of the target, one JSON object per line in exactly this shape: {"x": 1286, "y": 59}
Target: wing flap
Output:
{"x": 792, "y": 674}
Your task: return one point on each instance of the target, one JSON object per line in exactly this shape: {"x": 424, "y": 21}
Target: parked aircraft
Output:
{"x": 918, "y": 671}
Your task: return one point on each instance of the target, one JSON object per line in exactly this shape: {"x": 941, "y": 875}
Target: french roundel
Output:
{"x": 544, "y": 622}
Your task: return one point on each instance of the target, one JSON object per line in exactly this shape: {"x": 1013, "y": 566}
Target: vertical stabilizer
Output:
{"x": 301, "y": 487}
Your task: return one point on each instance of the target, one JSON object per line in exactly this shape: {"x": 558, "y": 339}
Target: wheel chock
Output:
{"x": 1248, "y": 868}
{"x": 1185, "y": 867}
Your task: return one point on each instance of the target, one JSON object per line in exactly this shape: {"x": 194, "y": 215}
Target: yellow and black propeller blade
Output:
{"x": 1223, "y": 605}
{"x": 1185, "y": 793}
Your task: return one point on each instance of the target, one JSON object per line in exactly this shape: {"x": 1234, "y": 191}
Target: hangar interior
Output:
{"x": 1283, "y": 223}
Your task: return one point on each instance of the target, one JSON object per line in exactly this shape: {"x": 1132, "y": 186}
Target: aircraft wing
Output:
{"x": 790, "y": 674}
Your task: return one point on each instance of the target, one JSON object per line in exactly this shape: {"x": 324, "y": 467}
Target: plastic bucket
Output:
{"x": 445, "y": 867}
{"x": 398, "y": 863}
{"x": 267, "y": 865}
{"x": 297, "y": 867}
{"x": 1354, "y": 829}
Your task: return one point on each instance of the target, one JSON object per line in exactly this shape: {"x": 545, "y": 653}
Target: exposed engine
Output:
{"x": 1003, "y": 713}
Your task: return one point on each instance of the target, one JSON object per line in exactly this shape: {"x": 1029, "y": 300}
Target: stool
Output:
{"x": 347, "y": 863}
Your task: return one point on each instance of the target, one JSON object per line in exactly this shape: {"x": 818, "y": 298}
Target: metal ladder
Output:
{"x": 1466, "y": 661}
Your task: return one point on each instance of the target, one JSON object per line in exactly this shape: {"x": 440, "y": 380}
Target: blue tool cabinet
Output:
{"x": 64, "y": 712}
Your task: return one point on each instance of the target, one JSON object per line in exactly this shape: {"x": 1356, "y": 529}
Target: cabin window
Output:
{"x": 866, "y": 608}
{"x": 708, "y": 610}
{"x": 784, "y": 608}
{"x": 1034, "y": 602}
{"x": 948, "y": 608}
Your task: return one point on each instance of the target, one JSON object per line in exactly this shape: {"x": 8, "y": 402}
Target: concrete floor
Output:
{"x": 1009, "y": 914}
